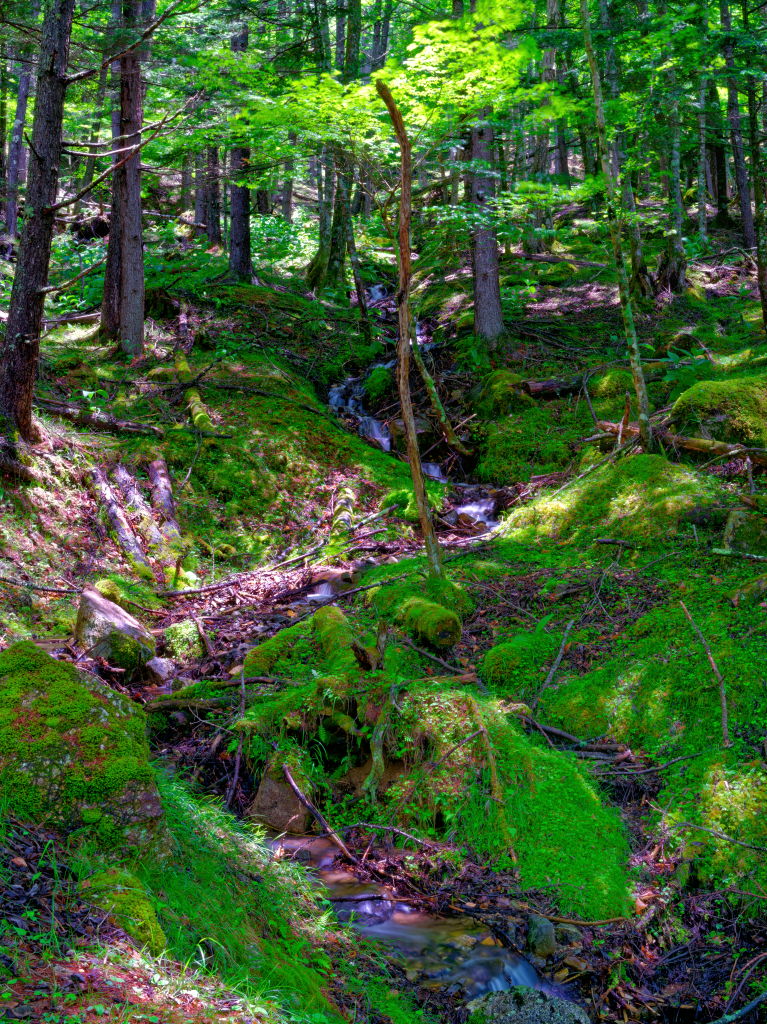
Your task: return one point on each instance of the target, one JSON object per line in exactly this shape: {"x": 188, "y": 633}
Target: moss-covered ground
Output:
{"x": 594, "y": 787}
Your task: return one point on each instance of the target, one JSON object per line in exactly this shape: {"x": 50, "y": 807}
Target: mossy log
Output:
{"x": 428, "y": 621}
{"x": 95, "y": 419}
{"x": 702, "y": 445}
{"x": 197, "y": 411}
{"x": 123, "y": 531}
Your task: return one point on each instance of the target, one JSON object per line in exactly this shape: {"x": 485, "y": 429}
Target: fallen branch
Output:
{"x": 73, "y": 280}
{"x": 126, "y": 538}
{"x": 204, "y": 637}
{"x": 743, "y": 1011}
{"x": 95, "y": 418}
{"x": 557, "y": 662}
{"x": 717, "y": 674}
{"x": 701, "y": 445}
{"x": 432, "y": 657}
{"x": 316, "y": 814}
{"x": 391, "y": 828}
{"x": 32, "y": 586}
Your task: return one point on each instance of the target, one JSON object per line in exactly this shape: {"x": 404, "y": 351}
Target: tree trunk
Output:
{"x": 15, "y": 148}
{"x": 736, "y": 134}
{"x": 240, "y": 261}
{"x": 287, "y": 188}
{"x": 672, "y": 266}
{"x": 340, "y": 35}
{"x": 200, "y": 194}
{"x": 3, "y": 130}
{"x": 760, "y": 186}
{"x": 722, "y": 218}
{"x": 702, "y": 213}
{"x": 110, "y": 300}
{"x": 185, "y": 193}
{"x": 623, "y": 284}
{"x": 213, "y": 198}
{"x": 22, "y": 334}
{"x": 90, "y": 161}
{"x": 351, "y": 248}
{"x": 262, "y": 201}
{"x": 353, "y": 32}
{"x": 335, "y": 276}
{"x": 385, "y": 24}
{"x": 131, "y": 232}
{"x": 433, "y": 559}
{"x": 488, "y": 315}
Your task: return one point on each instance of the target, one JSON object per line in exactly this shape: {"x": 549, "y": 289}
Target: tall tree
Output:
{"x": 240, "y": 263}
{"x": 16, "y": 146}
{"x": 22, "y": 334}
{"x": 488, "y": 314}
{"x": 736, "y": 132}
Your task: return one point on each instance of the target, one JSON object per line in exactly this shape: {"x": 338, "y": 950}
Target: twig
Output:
{"x": 433, "y": 657}
{"x": 204, "y": 637}
{"x": 60, "y": 287}
{"x": 617, "y": 543}
{"x": 32, "y": 586}
{"x": 557, "y": 660}
{"x": 230, "y": 792}
{"x": 391, "y": 828}
{"x": 191, "y": 467}
{"x": 658, "y": 767}
{"x": 718, "y": 835}
{"x": 316, "y": 814}
{"x": 717, "y": 673}
{"x": 743, "y": 1012}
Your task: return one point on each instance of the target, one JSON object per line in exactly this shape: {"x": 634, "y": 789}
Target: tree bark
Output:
{"x": 15, "y": 147}
{"x": 185, "y": 193}
{"x": 760, "y": 187}
{"x": 22, "y": 334}
{"x": 240, "y": 262}
{"x": 722, "y": 218}
{"x": 90, "y": 161}
{"x": 199, "y": 194}
{"x": 431, "y": 544}
{"x": 488, "y": 314}
{"x": 351, "y": 248}
{"x": 736, "y": 134}
{"x": 3, "y": 130}
{"x": 213, "y": 198}
{"x": 623, "y": 285}
{"x": 110, "y": 299}
{"x": 287, "y": 188}
{"x": 353, "y": 32}
{"x": 131, "y": 232}
{"x": 702, "y": 213}
{"x": 672, "y": 267}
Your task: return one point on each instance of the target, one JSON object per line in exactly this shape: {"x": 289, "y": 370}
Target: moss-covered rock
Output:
{"x": 126, "y": 899}
{"x": 275, "y": 804}
{"x": 108, "y": 631}
{"x": 727, "y": 410}
{"x": 499, "y": 394}
{"x": 182, "y": 640}
{"x": 109, "y": 590}
{"x": 640, "y": 499}
{"x": 422, "y": 618}
{"x": 261, "y": 660}
{"x": 378, "y": 383}
{"x": 510, "y": 665}
{"x": 614, "y": 382}
{"x": 73, "y": 752}
{"x": 335, "y": 636}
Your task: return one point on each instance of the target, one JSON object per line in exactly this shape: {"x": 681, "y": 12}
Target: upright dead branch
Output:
{"x": 717, "y": 674}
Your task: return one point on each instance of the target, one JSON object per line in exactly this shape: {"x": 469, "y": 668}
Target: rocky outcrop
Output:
{"x": 108, "y": 631}
{"x": 73, "y": 752}
{"x": 522, "y": 1005}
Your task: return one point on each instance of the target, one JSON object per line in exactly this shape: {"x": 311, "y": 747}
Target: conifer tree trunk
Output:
{"x": 110, "y": 299}
{"x": 22, "y": 334}
{"x": 736, "y": 134}
{"x": 702, "y": 152}
{"x": 213, "y": 198}
{"x": 615, "y": 232}
{"x": 185, "y": 193}
{"x": 353, "y": 34}
{"x": 98, "y": 113}
{"x": 431, "y": 544}
{"x": 240, "y": 261}
{"x": 199, "y": 193}
{"x": 3, "y": 130}
{"x": 760, "y": 186}
{"x": 722, "y": 218}
{"x": 287, "y": 188}
{"x": 16, "y": 145}
{"x": 488, "y": 315}
{"x": 672, "y": 268}
{"x": 129, "y": 174}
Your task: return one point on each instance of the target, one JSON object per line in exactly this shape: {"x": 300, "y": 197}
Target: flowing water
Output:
{"x": 454, "y": 953}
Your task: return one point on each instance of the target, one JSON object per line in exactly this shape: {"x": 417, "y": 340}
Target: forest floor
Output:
{"x": 575, "y": 671}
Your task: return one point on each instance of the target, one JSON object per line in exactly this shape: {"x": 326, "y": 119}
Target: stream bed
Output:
{"x": 454, "y": 953}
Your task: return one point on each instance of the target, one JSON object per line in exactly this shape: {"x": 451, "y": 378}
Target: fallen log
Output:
{"x": 123, "y": 531}
{"x": 162, "y": 498}
{"x": 700, "y": 445}
{"x": 138, "y": 504}
{"x": 96, "y": 419}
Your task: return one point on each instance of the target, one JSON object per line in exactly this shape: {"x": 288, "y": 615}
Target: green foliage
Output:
{"x": 182, "y": 640}
{"x": 378, "y": 383}
{"x": 125, "y": 898}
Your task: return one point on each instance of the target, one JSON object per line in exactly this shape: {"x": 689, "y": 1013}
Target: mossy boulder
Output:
{"x": 640, "y": 499}
{"x": 110, "y": 590}
{"x": 727, "y": 410}
{"x": 559, "y": 275}
{"x": 261, "y": 660}
{"x": 378, "y": 383}
{"x": 612, "y": 384}
{"x": 182, "y": 641}
{"x": 73, "y": 752}
{"x": 275, "y": 804}
{"x": 108, "y": 631}
{"x": 335, "y": 636}
{"x": 126, "y": 900}
{"x": 499, "y": 394}
{"x": 524, "y": 1005}
{"x": 510, "y": 665}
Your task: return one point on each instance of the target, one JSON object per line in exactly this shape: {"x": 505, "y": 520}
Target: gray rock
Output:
{"x": 276, "y": 805}
{"x": 160, "y": 670}
{"x": 569, "y": 935}
{"x": 108, "y": 631}
{"x": 522, "y": 1005}
{"x": 367, "y": 913}
{"x": 540, "y": 936}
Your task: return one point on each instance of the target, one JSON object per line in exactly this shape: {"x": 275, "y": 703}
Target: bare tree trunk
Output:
{"x": 353, "y": 32}
{"x": 287, "y": 188}
{"x": 760, "y": 186}
{"x": 22, "y": 333}
{"x": 488, "y": 315}
{"x": 615, "y": 231}
{"x": 200, "y": 194}
{"x": 15, "y": 147}
{"x": 433, "y": 558}
{"x": 672, "y": 266}
{"x": 722, "y": 218}
{"x": 340, "y": 35}
{"x": 98, "y": 113}
{"x": 736, "y": 134}
{"x": 213, "y": 198}
{"x": 110, "y": 300}
{"x": 702, "y": 84}
{"x": 351, "y": 248}
{"x": 3, "y": 130}
{"x": 131, "y": 232}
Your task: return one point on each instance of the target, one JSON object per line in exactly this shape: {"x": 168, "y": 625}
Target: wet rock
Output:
{"x": 276, "y": 805}
{"x": 540, "y": 936}
{"x": 367, "y": 913}
{"x": 160, "y": 670}
{"x": 109, "y": 632}
{"x": 568, "y": 935}
{"x": 523, "y": 1005}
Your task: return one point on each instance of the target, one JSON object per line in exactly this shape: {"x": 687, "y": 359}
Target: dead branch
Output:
{"x": 717, "y": 674}
{"x": 316, "y": 814}
{"x": 95, "y": 418}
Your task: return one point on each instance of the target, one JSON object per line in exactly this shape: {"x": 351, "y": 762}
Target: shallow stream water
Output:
{"x": 454, "y": 953}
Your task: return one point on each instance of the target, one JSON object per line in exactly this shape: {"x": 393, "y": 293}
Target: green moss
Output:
{"x": 613, "y": 383}
{"x": 499, "y": 394}
{"x": 126, "y": 651}
{"x": 639, "y": 499}
{"x": 378, "y": 383}
{"x": 728, "y": 410}
{"x": 182, "y": 640}
{"x": 335, "y": 637}
{"x": 509, "y": 666}
{"x": 125, "y": 898}
{"x": 423, "y": 619}
{"x": 261, "y": 660}
{"x": 67, "y": 746}
{"x": 110, "y": 590}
